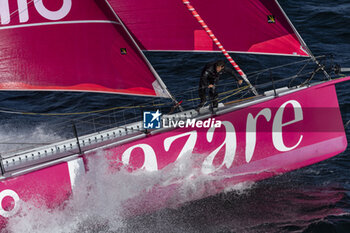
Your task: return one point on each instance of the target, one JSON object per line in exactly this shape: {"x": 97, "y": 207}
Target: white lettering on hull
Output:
{"x": 230, "y": 144}
{"x": 277, "y": 136}
{"x": 150, "y": 163}
{"x": 188, "y": 146}
{"x": 251, "y": 132}
{"x": 230, "y": 141}
{"x": 15, "y": 197}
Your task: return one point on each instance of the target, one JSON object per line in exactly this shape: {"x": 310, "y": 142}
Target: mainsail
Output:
{"x": 73, "y": 45}
{"x": 249, "y": 26}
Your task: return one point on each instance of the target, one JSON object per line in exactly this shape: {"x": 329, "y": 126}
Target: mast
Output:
{"x": 162, "y": 84}
{"x": 218, "y": 44}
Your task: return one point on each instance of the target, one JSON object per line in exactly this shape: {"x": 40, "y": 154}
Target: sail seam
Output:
{"x": 60, "y": 22}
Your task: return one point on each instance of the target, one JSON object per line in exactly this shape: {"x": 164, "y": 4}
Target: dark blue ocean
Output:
{"x": 311, "y": 199}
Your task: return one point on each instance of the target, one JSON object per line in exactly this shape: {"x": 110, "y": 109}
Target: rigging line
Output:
{"x": 71, "y": 113}
{"x": 99, "y": 124}
{"x": 258, "y": 72}
{"x": 297, "y": 75}
{"x": 222, "y": 93}
{"x": 240, "y": 100}
{"x": 240, "y": 88}
{"x": 20, "y": 112}
{"x": 224, "y": 83}
{"x": 281, "y": 80}
{"x": 233, "y": 94}
{"x": 48, "y": 143}
{"x": 347, "y": 124}
{"x": 237, "y": 92}
{"x": 11, "y": 111}
{"x": 284, "y": 65}
{"x": 218, "y": 44}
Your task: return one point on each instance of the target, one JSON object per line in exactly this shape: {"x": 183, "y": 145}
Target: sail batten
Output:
{"x": 251, "y": 26}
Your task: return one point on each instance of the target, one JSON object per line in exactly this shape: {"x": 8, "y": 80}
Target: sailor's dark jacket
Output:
{"x": 210, "y": 76}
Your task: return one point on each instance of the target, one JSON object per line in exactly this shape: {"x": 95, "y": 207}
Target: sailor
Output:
{"x": 210, "y": 79}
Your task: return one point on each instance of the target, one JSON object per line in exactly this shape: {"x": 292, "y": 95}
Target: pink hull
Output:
{"x": 255, "y": 142}
{"x": 317, "y": 135}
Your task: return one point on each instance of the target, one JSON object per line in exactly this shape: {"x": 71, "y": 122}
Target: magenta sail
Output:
{"x": 252, "y": 26}
{"x": 70, "y": 45}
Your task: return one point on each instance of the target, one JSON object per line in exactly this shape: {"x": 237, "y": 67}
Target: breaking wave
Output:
{"x": 13, "y": 138}
{"x": 111, "y": 201}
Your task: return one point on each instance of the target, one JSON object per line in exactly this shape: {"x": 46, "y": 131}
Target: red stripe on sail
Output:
{"x": 202, "y": 41}
{"x": 269, "y": 46}
{"x": 15, "y": 86}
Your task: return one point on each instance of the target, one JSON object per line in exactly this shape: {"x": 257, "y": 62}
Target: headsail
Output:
{"x": 74, "y": 45}
{"x": 250, "y": 26}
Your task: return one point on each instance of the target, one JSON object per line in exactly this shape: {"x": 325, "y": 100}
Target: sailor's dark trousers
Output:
{"x": 213, "y": 96}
